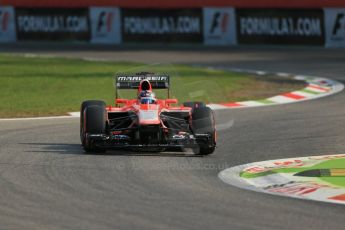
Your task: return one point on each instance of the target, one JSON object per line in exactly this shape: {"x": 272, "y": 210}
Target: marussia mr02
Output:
{"x": 146, "y": 123}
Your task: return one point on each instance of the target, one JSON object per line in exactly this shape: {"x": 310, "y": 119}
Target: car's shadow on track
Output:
{"x": 59, "y": 148}
{"x": 76, "y": 149}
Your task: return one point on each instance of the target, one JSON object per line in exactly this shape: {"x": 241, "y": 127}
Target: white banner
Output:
{"x": 219, "y": 26}
{"x": 105, "y": 25}
{"x": 7, "y": 25}
{"x": 335, "y": 27}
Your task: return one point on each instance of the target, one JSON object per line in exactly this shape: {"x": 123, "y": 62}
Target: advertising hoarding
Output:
{"x": 219, "y": 26}
{"x": 105, "y": 25}
{"x": 162, "y": 25}
{"x": 53, "y": 24}
{"x": 335, "y": 27}
{"x": 7, "y": 24}
{"x": 280, "y": 26}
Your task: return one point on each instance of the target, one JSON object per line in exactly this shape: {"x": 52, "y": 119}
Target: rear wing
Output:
{"x": 158, "y": 81}
{"x": 132, "y": 81}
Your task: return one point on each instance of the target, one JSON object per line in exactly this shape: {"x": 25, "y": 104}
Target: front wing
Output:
{"x": 122, "y": 142}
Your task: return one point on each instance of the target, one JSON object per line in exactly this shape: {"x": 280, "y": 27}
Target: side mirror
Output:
{"x": 121, "y": 101}
{"x": 171, "y": 101}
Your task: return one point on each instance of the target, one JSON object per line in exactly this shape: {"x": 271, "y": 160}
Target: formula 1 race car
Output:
{"x": 146, "y": 123}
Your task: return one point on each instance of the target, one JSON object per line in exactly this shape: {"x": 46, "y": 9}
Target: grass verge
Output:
{"x": 37, "y": 86}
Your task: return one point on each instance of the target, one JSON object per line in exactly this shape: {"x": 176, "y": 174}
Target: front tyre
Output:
{"x": 203, "y": 123}
{"x": 82, "y": 108}
{"x": 94, "y": 122}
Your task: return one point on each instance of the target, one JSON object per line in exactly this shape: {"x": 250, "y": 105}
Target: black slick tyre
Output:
{"x": 94, "y": 122}
{"x": 203, "y": 123}
{"x": 82, "y": 108}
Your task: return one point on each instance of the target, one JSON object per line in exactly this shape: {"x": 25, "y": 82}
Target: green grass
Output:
{"x": 36, "y": 86}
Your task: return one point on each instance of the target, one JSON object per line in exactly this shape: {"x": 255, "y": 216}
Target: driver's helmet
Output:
{"x": 147, "y": 97}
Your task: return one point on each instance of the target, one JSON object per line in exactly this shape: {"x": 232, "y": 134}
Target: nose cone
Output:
{"x": 149, "y": 114}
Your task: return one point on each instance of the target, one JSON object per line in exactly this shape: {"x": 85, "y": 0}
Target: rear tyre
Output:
{"x": 203, "y": 123}
{"x": 94, "y": 122}
{"x": 82, "y": 108}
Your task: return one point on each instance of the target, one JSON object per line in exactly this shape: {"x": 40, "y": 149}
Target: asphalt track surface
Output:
{"x": 46, "y": 181}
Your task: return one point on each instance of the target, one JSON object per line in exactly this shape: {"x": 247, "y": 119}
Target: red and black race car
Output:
{"x": 147, "y": 123}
